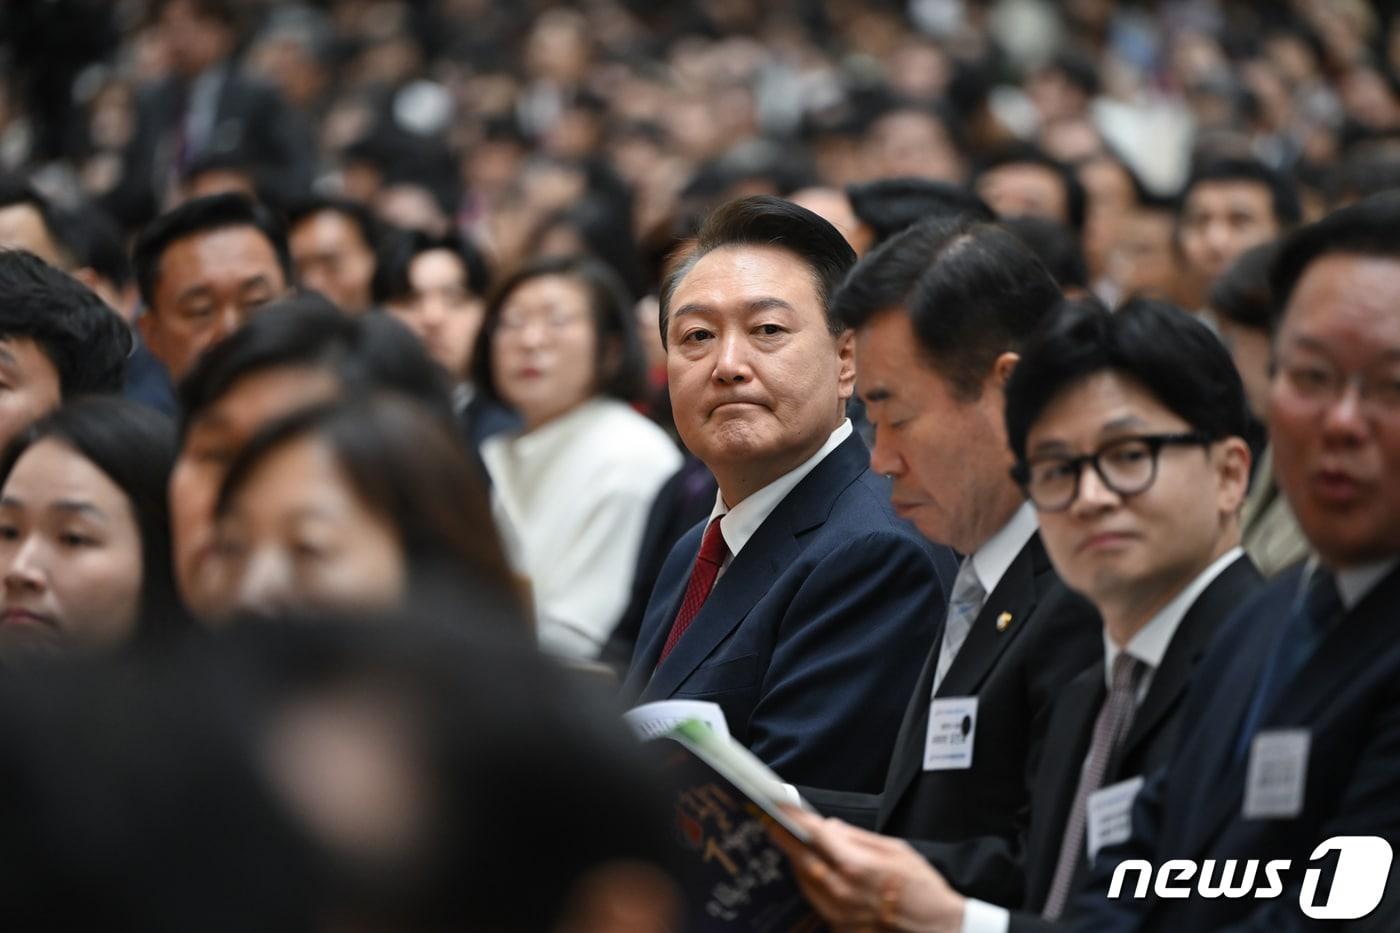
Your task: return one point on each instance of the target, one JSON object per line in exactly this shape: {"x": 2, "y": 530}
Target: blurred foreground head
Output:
{"x": 315, "y": 777}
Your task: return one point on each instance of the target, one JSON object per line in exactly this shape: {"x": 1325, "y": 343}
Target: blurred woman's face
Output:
{"x": 70, "y": 549}
{"x": 299, "y": 537}
{"x": 216, "y": 434}
{"x": 545, "y": 349}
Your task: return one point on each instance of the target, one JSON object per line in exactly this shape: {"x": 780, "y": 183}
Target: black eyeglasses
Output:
{"x": 1127, "y": 466}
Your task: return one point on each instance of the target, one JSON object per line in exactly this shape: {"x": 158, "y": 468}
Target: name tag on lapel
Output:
{"x": 952, "y": 728}
{"x": 1110, "y": 812}
{"x": 1277, "y": 774}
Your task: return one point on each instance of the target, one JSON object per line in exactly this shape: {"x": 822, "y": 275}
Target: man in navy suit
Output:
{"x": 803, "y": 606}
{"x": 1294, "y": 732}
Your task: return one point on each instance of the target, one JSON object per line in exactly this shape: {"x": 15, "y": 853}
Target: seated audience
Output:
{"x": 436, "y": 287}
{"x": 352, "y": 508}
{"x": 1314, "y": 654}
{"x": 414, "y": 776}
{"x": 1150, "y": 534}
{"x": 204, "y": 269}
{"x": 306, "y": 353}
{"x": 58, "y": 340}
{"x": 1227, "y": 206}
{"x": 1021, "y": 180}
{"x": 941, "y": 314}
{"x": 886, "y": 206}
{"x": 1243, "y": 305}
{"x": 576, "y": 482}
{"x": 803, "y": 605}
{"x": 333, "y": 243}
{"x": 85, "y": 529}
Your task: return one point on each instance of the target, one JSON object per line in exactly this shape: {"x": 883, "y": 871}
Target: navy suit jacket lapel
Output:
{"x": 751, "y": 573}
{"x": 1016, "y": 593}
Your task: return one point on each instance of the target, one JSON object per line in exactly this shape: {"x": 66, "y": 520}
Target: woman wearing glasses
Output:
{"x": 574, "y": 486}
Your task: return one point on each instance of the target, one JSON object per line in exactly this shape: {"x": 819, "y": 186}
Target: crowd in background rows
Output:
{"x": 380, "y": 283}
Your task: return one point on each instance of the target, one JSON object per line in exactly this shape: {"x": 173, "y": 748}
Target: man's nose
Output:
{"x": 732, "y": 364}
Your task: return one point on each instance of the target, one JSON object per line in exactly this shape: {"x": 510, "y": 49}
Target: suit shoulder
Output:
{"x": 864, "y": 505}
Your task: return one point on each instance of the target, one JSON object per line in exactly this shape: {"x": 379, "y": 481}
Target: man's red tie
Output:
{"x": 713, "y": 551}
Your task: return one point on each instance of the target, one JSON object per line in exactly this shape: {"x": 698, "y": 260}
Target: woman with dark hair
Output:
{"x": 558, "y": 345}
{"x": 355, "y": 506}
{"x": 297, "y": 353}
{"x": 85, "y": 528}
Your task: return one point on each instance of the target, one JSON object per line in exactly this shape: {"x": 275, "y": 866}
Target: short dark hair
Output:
{"x": 96, "y": 242}
{"x": 366, "y": 352}
{"x": 15, "y": 191}
{"x": 398, "y": 249}
{"x": 215, "y": 212}
{"x": 889, "y": 205}
{"x": 1242, "y": 294}
{"x": 226, "y": 12}
{"x": 1076, "y": 199}
{"x": 1157, "y": 345}
{"x": 1283, "y": 193}
{"x": 405, "y": 464}
{"x": 358, "y": 214}
{"x": 1366, "y": 228}
{"x": 763, "y": 220}
{"x": 1056, "y": 246}
{"x": 613, "y": 320}
{"x": 86, "y": 341}
{"x": 973, "y": 291}
{"x": 134, "y": 446}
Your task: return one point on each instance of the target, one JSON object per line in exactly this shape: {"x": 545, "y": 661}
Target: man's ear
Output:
{"x": 846, "y": 354}
{"x": 1004, "y": 366}
{"x": 1232, "y": 460}
{"x": 622, "y": 897}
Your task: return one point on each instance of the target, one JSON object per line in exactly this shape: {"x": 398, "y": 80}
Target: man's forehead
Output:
{"x": 1235, "y": 190}
{"x": 744, "y": 272}
{"x": 1346, "y": 289}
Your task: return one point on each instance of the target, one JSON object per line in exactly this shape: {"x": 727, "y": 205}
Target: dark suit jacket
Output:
{"x": 813, "y": 635}
{"x": 1148, "y": 745}
{"x": 687, "y": 498}
{"x": 1016, "y": 674}
{"x": 251, "y": 121}
{"x": 1348, "y": 698}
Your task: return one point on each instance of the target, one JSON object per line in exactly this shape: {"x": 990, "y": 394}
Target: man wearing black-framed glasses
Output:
{"x": 1126, "y": 431}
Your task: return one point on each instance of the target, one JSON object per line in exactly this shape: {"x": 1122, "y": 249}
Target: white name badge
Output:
{"x": 1277, "y": 774}
{"x": 952, "y": 728}
{"x": 1110, "y": 813}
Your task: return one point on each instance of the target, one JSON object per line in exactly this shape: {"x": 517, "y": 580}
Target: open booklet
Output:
{"x": 724, "y": 799}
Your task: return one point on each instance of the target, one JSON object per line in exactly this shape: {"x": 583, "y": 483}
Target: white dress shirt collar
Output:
{"x": 1151, "y": 642}
{"x": 992, "y": 559}
{"x": 740, "y": 523}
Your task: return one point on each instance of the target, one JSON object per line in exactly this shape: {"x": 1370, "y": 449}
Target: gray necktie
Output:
{"x": 1112, "y": 725}
{"x": 968, "y": 597}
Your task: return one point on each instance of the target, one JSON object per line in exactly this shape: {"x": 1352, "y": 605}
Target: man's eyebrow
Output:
{"x": 762, "y": 303}
{"x": 196, "y": 290}
{"x": 7, "y": 357}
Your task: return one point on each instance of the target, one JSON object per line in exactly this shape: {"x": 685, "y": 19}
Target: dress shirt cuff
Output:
{"x": 981, "y": 917}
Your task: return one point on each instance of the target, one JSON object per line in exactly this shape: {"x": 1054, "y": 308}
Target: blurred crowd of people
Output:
{"x": 845, "y": 363}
